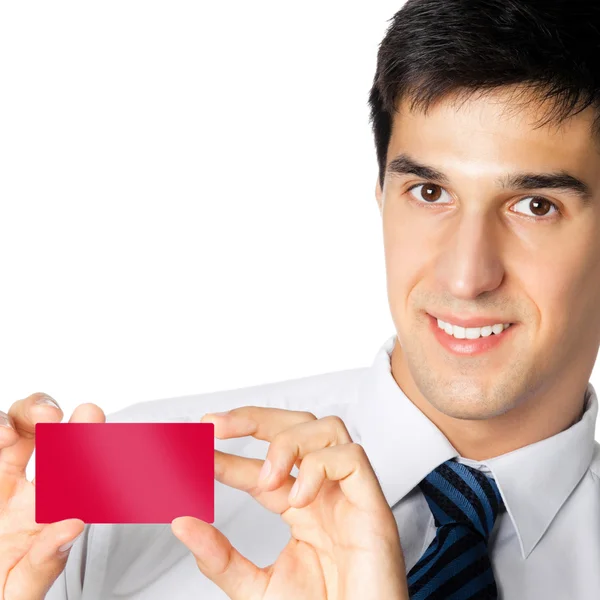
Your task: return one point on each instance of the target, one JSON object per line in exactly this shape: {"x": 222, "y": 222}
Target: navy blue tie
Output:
{"x": 456, "y": 565}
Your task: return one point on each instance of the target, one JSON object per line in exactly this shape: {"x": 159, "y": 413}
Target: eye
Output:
{"x": 429, "y": 193}
{"x": 538, "y": 206}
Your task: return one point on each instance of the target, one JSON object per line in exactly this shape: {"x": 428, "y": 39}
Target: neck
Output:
{"x": 537, "y": 417}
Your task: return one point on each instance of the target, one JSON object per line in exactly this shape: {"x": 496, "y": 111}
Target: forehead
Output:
{"x": 494, "y": 130}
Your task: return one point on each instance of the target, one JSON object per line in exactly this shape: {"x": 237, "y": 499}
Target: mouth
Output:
{"x": 487, "y": 339}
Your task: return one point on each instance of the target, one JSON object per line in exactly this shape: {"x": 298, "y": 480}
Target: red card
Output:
{"x": 124, "y": 472}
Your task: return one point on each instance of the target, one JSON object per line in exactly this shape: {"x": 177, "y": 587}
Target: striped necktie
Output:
{"x": 456, "y": 566}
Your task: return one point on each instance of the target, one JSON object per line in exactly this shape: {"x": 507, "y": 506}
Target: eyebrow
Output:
{"x": 404, "y": 164}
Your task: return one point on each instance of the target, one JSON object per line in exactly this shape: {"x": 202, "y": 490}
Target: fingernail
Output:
{"x": 294, "y": 490}
{"x": 68, "y": 545}
{"x": 209, "y": 416}
{"x": 45, "y": 399}
{"x": 5, "y": 421}
{"x": 266, "y": 469}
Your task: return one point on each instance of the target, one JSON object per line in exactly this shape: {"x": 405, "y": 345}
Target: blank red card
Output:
{"x": 124, "y": 472}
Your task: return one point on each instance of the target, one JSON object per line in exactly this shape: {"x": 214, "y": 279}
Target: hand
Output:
{"x": 29, "y": 558}
{"x": 344, "y": 540}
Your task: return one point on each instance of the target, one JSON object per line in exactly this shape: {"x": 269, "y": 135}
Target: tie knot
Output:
{"x": 458, "y": 493}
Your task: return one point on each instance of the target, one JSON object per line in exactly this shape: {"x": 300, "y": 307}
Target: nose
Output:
{"x": 470, "y": 261}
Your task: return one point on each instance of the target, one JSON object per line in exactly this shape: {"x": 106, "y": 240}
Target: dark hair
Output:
{"x": 434, "y": 48}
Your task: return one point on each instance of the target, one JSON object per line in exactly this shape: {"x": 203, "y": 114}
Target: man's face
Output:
{"x": 471, "y": 248}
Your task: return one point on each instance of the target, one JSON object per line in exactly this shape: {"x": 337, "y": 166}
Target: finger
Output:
{"x": 86, "y": 413}
{"x": 347, "y": 464}
{"x": 37, "y": 570}
{"x": 242, "y": 473}
{"x": 293, "y": 444}
{"x": 18, "y": 444}
{"x": 293, "y": 434}
{"x": 216, "y": 558}
{"x": 262, "y": 423}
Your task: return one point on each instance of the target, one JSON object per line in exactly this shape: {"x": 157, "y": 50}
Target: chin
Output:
{"x": 474, "y": 411}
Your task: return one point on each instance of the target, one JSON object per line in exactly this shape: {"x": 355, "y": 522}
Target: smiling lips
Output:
{"x": 469, "y": 340}
{"x": 472, "y": 333}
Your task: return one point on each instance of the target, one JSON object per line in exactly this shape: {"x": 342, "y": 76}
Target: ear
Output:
{"x": 378, "y": 194}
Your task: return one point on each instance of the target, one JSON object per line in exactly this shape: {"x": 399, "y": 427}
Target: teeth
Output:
{"x": 471, "y": 333}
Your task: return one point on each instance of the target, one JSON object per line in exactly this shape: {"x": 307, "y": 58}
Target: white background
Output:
{"x": 187, "y": 197}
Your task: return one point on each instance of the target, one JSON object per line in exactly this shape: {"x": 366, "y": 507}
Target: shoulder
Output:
{"x": 314, "y": 393}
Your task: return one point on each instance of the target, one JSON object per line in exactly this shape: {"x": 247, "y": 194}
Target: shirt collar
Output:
{"x": 403, "y": 446}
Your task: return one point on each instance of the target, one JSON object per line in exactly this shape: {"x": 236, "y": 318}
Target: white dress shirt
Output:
{"x": 545, "y": 546}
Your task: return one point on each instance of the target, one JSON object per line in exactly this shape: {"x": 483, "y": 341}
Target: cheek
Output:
{"x": 546, "y": 292}
{"x": 564, "y": 288}
{"x": 408, "y": 257}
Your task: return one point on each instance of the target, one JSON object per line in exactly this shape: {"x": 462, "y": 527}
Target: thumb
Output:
{"x": 238, "y": 577}
{"x": 35, "y": 573}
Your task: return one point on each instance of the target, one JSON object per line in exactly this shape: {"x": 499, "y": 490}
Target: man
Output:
{"x": 477, "y": 416}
